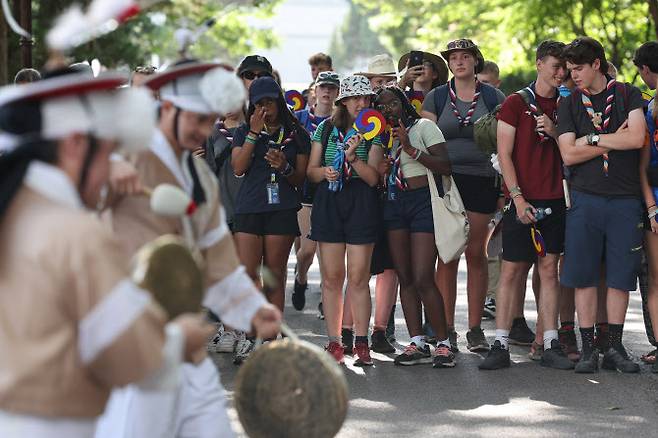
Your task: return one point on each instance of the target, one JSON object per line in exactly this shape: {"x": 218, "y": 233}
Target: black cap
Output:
{"x": 262, "y": 88}
{"x": 254, "y": 62}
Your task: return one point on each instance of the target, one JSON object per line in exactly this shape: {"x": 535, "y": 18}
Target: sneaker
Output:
{"x": 588, "y": 363}
{"x": 380, "y": 343}
{"x": 497, "y": 358}
{"x": 243, "y": 348}
{"x": 520, "y": 334}
{"x": 362, "y": 355}
{"x": 569, "y": 344}
{"x": 555, "y": 357}
{"x": 299, "y": 295}
{"x": 336, "y": 351}
{"x": 390, "y": 327}
{"x": 617, "y": 359}
{"x": 452, "y": 337}
{"x": 347, "y": 336}
{"x": 489, "y": 310}
{"x": 413, "y": 355}
{"x": 225, "y": 340}
{"x": 475, "y": 340}
{"x": 320, "y": 311}
{"x": 443, "y": 357}
{"x": 536, "y": 351}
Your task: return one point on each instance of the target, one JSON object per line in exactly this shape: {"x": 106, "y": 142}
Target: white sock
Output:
{"x": 503, "y": 337}
{"x": 419, "y": 341}
{"x": 549, "y": 335}
{"x": 445, "y": 343}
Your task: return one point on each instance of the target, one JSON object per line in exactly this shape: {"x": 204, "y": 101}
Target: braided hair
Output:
{"x": 410, "y": 113}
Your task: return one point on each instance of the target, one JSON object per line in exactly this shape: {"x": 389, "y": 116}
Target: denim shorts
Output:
{"x": 603, "y": 229}
{"x": 411, "y": 210}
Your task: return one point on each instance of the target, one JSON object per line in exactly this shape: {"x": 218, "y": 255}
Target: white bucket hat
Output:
{"x": 354, "y": 85}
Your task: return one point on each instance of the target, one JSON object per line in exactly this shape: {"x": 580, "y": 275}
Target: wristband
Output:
{"x": 250, "y": 140}
{"x": 517, "y": 195}
{"x": 288, "y": 170}
{"x": 652, "y": 214}
{"x": 651, "y": 206}
{"x": 254, "y": 132}
{"x": 515, "y": 191}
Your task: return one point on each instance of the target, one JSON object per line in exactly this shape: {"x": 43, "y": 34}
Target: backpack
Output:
{"x": 484, "y": 128}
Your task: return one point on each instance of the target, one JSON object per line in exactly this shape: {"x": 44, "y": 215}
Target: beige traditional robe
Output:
{"x": 72, "y": 325}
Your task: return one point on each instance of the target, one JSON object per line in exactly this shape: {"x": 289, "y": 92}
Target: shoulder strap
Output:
{"x": 440, "y": 98}
{"x": 527, "y": 98}
{"x": 302, "y": 116}
{"x": 327, "y": 128}
{"x": 489, "y": 96}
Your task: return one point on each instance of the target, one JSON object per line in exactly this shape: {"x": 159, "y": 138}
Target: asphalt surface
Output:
{"x": 524, "y": 400}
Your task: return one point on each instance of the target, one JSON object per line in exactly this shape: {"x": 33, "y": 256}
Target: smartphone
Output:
{"x": 415, "y": 58}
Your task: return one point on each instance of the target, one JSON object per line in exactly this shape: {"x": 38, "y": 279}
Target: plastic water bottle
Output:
{"x": 542, "y": 213}
{"x": 334, "y": 186}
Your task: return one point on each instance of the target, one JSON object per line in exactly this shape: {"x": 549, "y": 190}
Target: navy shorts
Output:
{"x": 307, "y": 193}
{"x": 601, "y": 229}
{"x": 272, "y": 223}
{"x": 411, "y": 210}
{"x": 517, "y": 238}
{"x": 350, "y": 215}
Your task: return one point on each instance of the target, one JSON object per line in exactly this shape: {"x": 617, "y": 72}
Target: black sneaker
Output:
{"x": 497, "y": 358}
{"x": 617, "y": 359}
{"x": 452, "y": 337}
{"x": 520, "y": 334}
{"x": 347, "y": 336}
{"x": 588, "y": 363}
{"x": 475, "y": 340}
{"x": 443, "y": 357}
{"x": 379, "y": 343}
{"x": 489, "y": 310}
{"x": 320, "y": 311}
{"x": 414, "y": 355}
{"x": 390, "y": 327}
{"x": 555, "y": 357}
{"x": 299, "y": 295}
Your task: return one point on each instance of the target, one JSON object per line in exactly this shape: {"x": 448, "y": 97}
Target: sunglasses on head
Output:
{"x": 145, "y": 70}
{"x": 328, "y": 75}
{"x": 250, "y": 75}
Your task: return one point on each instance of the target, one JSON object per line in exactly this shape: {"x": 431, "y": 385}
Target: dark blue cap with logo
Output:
{"x": 262, "y": 88}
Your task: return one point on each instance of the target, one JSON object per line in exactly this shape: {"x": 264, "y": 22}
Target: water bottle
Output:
{"x": 541, "y": 213}
{"x": 334, "y": 185}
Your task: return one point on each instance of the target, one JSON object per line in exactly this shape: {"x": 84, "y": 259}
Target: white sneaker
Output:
{"x": 242, "y": 350}
{"x": 227, "y": 340}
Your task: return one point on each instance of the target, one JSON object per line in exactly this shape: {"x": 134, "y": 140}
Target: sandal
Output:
{"x": 650, "y": 357}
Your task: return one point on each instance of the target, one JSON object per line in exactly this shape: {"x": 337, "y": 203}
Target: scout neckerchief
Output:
{"x": 315, "y": 120}
{"x": 463, "y": 121}
{"x": 535, "y": 110}
{"x": 600, "y": 121}
{"x": 397, "y": 177}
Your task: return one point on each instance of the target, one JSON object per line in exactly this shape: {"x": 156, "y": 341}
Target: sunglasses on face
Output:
{"x": 250, "y": 75}
{"x": 391, "y": 106}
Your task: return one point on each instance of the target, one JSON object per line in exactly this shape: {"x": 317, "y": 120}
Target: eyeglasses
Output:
{"x": 250, "y": 75}
{"x": 382, "y": 107}
{"x": 145, "y": 70}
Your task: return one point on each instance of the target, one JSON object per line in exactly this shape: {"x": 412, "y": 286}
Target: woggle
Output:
{"x": 295, "y": 100}
{"x": 416, "y": 98}
{"x": 370, "y": 123}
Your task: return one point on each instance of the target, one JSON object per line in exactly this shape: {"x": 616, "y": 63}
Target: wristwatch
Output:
{"x": 593, "y": 139}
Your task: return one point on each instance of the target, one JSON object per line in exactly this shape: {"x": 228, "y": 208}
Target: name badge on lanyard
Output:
{"x": 273, "y": 186}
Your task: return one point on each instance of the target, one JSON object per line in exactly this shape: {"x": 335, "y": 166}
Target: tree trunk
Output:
{"x": 653, "y": 10}
{"x": 26, "y": 23}
{"x": 4, "y": 54}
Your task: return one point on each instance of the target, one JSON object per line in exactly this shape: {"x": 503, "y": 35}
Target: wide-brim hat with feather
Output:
{"x": 203, "y": 88}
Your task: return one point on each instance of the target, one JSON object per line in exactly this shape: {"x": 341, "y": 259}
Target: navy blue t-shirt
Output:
{"x": 252, "y": 197}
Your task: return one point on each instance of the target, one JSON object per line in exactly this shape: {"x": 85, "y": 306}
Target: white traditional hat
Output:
{"x": 380, "y": 65}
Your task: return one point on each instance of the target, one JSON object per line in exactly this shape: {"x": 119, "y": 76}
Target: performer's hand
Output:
{"x": 124, "y": 179}
{"x": 197, "y": 330}
{"x": 267, "y": 321}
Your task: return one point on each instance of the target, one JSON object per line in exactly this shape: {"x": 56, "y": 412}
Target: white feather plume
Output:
{"x": 68, "y": 28}
{"x": 135, "y": 120}
{"x": 223, "y": 91}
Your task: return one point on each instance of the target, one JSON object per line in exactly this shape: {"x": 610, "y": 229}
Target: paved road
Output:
{"x": 525, "y": 400}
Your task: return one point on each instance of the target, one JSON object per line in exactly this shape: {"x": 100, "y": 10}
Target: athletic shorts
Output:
{"x": 350, "y": 215}
{"x": 603, "y": 229}
{"x": 479, "y": 193}
{"x": 272, "y": 223}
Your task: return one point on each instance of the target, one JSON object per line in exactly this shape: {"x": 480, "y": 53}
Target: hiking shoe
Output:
{"x": 617, "y": 359}
{"x": 413, "y": 355}
{"x": 320, "y": 311}
{"x": 536, "y": 351}
{"x": 588, "y": 363}
{"x": 489, "y": 310}
{"x": 243, "y": 349}
{"x": 362, "y": 355}
{"x": 497, "y": 358}
{"x": 225, "y": 340}
{"x": 299, "y": 295}
{"x": 443, "y": 357}
{"x": 476, "y": 340}
{"x": 379, "y": 342}
{"x": 569, "y": 344}
{"x": 555, "y": 357}
{"x": 390, "y": 327}
{"x": 336, "y": 351}
{"x": 347, "y": 336}
{"x": 452, "y": 337}
{"x": 520, "y": 334}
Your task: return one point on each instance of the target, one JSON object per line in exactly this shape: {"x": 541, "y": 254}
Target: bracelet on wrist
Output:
{"x": 516, "y": 190}
{"x": 288, "y": 170}
{"x": 517, "y": 195}
{"x": 652, "y": 214}
{"x": 254, "y": 132}
{"x": 417, "y": 154}
{"x": 250, "y": 140}
{"x": 651, "y": 206}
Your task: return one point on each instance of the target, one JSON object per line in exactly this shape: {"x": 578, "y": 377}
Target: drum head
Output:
{"x": 291, "y": 389}
{"x": 166, "y": 268}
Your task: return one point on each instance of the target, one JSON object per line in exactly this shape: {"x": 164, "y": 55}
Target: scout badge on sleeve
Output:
{"x": 295, "y": 100}
{"x": 416, "y": 98}
{"x": 291, "y": 388}
{"x": 369, "y": 123}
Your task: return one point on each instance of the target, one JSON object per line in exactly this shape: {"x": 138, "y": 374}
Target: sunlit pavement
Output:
{"x": 524, "y": 400}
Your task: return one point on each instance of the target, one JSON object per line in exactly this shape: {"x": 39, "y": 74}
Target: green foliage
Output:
{"x": 148, "y": 34}
{"x": 508, "y": 31}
